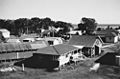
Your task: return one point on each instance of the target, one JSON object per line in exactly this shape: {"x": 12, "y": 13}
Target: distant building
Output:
{"x": 108, "y": 36}
{"x": 38, "y": 44}
{"x": 28, "y": 40}
{"x": 75, "y": 32}
{"x": 54, "y": 40}
{"x": 104, "y": 26}
{"x": 34, "y": 35}
{"x": 5, "y": 33}
{"x": 13, "y": 41}
{"x": 75, "y": 26}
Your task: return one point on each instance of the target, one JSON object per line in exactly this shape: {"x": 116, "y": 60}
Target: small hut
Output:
{"x": 109, "y": 35}
{"x": 54, "y": 40}
{"x": 110, "y": 58}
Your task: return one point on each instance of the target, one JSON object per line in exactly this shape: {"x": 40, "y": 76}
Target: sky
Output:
{"x": 103, "y": 11}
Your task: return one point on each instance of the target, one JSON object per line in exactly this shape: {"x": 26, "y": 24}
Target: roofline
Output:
{"x": 100, "y": 39}
{"x": 70, "y": 51}
{"x": 81, "y": 35}
{"x": 78, "y": 46}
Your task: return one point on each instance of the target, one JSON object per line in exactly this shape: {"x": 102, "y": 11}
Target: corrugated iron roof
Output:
{"x": 82, "y": 40}
{"x": 9, "y": 47}
{"x": 57, "y": 49}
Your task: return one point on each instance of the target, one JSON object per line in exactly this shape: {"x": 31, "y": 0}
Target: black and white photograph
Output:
{"x": 59, "y": 39}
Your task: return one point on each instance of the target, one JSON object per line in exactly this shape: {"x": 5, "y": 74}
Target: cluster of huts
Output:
{"x": 53, "y": 49}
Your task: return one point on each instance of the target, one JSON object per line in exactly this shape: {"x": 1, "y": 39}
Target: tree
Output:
{"x": 81, "y": 27}
{"x": 22, "y": 25}
{"x": 2, "y": 23}
{"x": 65, "y": 27}
{"x": 36, "y": 24}
{"x": 9, "y": 25}
{"x": 87, "y": 25}
{"x": 99, "y": 29}
{"x": 46, "y": 23}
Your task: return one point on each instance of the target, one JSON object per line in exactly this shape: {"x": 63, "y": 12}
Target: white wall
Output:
{"x": 115, "y": 39}
{"x": 58, "y": 41}
{"x": 99, "y": 44}
{"x": 74, "y": 32}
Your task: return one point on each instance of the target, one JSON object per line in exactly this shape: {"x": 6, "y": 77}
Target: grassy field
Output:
{"x": 80, "y": 71}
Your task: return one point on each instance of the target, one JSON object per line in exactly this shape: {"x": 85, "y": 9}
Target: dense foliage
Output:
{"x": 87, "y": 25}
{"x": 34, "y": 25}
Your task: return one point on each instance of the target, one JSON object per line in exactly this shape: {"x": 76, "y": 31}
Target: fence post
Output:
{"x": 17, "y": 55}
{"x": 23, "y": 68}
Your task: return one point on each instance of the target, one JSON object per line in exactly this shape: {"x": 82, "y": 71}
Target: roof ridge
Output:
{"x": 55, "y": 49}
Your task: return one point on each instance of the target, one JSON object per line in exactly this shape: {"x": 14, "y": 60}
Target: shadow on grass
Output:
{"x": 38, "y": 63}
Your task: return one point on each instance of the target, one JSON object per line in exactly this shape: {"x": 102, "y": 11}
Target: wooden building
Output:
{"x": 12, "y": 51}
{"x": 109, "y": 35}
{"x": 91, "y": 44}
{"x": 58, "y": 54}
{"x": 110, "y": 58}
{"x": 54, "y": 40}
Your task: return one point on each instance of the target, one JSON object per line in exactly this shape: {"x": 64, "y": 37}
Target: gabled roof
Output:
{"x": 83, "y": 40}
{"x": 10, "y": 47}
{"x": 57, "y": 49}
{"x": 109, "y": 32}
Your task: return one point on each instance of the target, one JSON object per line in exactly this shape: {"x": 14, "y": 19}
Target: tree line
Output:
{"x": 34, "y": 25}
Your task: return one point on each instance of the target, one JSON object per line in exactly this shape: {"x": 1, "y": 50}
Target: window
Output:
{"x": 75, "y": 51}
{"x": 97, "y": 42}
{"x": 25, "y": 40}
{"x": 50, "y": 42}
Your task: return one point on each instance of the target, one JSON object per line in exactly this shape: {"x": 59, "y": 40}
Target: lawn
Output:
{"x": 80, "y": 71}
